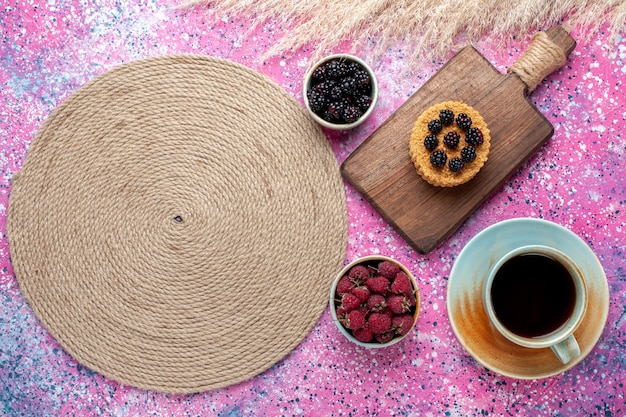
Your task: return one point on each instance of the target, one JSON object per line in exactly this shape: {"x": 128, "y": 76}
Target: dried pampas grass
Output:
{"x": 431, "y": 29}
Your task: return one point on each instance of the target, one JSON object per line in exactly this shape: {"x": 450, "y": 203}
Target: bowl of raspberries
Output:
{"x": 374, "y": 301}
{"x": 340, "y": 91}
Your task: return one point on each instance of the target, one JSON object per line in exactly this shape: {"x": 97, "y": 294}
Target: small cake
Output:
{"x": 449, "y": 144}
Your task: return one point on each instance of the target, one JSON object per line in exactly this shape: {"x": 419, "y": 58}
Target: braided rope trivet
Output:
{"x": 177, "y": 224}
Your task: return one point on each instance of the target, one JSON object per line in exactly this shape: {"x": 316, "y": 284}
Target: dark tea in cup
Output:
{"x": 536, "y": 297}
{"x": 533, "y": 294}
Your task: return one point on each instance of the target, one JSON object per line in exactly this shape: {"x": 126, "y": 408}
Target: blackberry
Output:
{"x": 474, "y": 136}
{"x": 363, "y": 101}
{"x": 435, "y": 126}
{"x": 335, "y": 93}
{"x": 319, "y": 73}
{"x": 340, "y": 91}
{"x": 468, "y": 154}
{"x": 334, "y": 111}
{"x": 446, "y": 116}
{"x": 317, "y": 101}
{"x": 329, "y": 116}
{"x": 431, "y": 142}
{"x": 351, "y": 114}
{"x": 348, "y": 85}
{"x": 352, "y": 67}
{"x": 456, "y": 164}
{"x": 336, "y": 69}
{"x": 451, "y": 140}
{"x": 464, "y": 121}
{"x": 363, "y": 80}
{"x": 438, "y": 159}
{"x": 324, "y": 87}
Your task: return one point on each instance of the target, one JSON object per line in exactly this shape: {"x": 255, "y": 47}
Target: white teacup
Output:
{"x": 536, "y": 297}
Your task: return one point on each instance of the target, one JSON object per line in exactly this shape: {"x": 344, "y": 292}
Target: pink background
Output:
{"x": 576, "y": 180}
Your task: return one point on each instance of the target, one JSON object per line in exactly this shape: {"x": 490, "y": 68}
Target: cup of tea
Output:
{"x": 536, "y": 297}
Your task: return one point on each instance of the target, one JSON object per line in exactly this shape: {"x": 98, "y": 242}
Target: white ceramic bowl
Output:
{"x": 373, "y": 259}
{"x": 308, "y": 80}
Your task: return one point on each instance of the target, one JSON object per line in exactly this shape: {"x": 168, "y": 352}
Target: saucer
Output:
{"x": 467, "y": 313}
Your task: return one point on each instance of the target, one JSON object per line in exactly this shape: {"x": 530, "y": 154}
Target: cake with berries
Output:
{"x": 449, "y": 144}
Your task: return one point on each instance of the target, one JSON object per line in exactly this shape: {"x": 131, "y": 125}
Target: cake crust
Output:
{"x": 421, "y": 156}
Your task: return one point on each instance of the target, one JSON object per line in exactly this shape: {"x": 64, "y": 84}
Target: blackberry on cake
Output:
{"x": 464, "y": 121}
{"x": 468, "y": 154}
{"x": 431, "y": 142}
{"x": 438, "y": 159}
{"x": 456, "y": 164}
{"x": 474, "y": 136}
{"x": 435, "y": 126}
{"x": 446, "y": 116}
{"x": 451, "y": 139}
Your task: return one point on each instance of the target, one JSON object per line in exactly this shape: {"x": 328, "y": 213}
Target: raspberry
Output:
{"x": 349, "y": 302}
{"x": 402, "y": 324}
{"x": 446, "y": 116}
{"x": 451, "y": 139}
{"x": 379, "y": 323}
{"x": 402, "y": 285}
{"x": 384, "y": 337}
{"x": 362, "y": 293}
{"x": 399, "y": 304}
{"x": 355, "y": 320}
{"x": 468, "y": 154}
{"x": 463, "y": 121}
{"x": 474, "y": 136}
{"x": 435, "y": 126}
{"x": 388, "y": 269}
{"x": 387, "y": 311}
{"x": 364, "y": 334}
{"x": 438, "y": 159}
{"x": 376, "y": 302}
{"x": 378, "y": 285}
{"x": 344, "y": 285}
{"x": 359, "y": 274}
{"x": 431, "y": 142}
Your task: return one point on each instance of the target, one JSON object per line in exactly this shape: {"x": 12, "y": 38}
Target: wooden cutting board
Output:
{"x": 381, "y": 169}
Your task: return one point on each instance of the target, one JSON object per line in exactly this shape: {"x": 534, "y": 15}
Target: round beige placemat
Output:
{"x": 177, "y": 224}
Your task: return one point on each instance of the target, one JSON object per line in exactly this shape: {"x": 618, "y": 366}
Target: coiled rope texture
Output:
{"x": 177, "y": 224}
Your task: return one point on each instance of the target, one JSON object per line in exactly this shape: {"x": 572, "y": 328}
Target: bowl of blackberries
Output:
{"x": 374, "y": 301}
{"x": 340, "y": 91}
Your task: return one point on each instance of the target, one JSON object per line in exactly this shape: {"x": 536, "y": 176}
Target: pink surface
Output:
{"x": 576, "y": 180}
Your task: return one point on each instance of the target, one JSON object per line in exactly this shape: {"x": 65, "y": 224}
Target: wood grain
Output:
{"x": 382, "y": 171}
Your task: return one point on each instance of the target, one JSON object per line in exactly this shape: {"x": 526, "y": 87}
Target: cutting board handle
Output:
{"x": 547, "y": 52}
